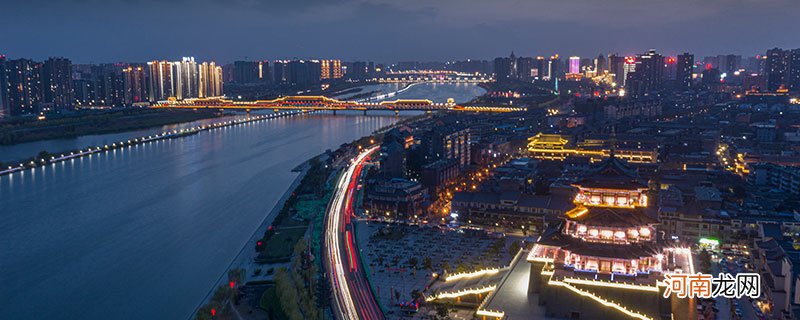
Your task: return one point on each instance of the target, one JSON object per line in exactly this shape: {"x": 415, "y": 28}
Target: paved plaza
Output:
{"x": 402, "y": 258}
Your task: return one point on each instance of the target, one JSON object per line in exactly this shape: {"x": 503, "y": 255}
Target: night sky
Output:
{"x": 388, "y": 31}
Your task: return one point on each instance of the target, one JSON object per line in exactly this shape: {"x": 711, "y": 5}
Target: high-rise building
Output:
{"x": 574, "y": 65}
{"x": 525, "y": 68}
{"x": 135, "y": 84}
{"x": 280, "y": 71}
{"x": 684, "y": 68}
{"x": 794, "y": 70}
{"x": 304, "y": 73}
{"x": 57, "y": 84}
{"x": 776, "y": 68}
{"x": 628, "y": 68}
{"x": 4, "y": 104}
{"x": 264, "y": 74}
{"x": 616, "y": 66}
{"x": 647, "y": 76}
{"x": 245, "y": 72}
{"x": 330, "y": 69}
{"x": 108, "y": 84}
{"x": 210, "y": 80}
{"x": 600, "y": 64}
{"x": 540, "y": 65}
{"x": 505, "y": 69}
{"x": 185, "y": 78}
{"x": 25, "y": 86}
{"x": 160, "y": 80}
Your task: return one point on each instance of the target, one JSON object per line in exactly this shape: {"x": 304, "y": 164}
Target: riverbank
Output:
{"x": 295, "y": 221}
{"x": 95, "y": 122}
{"x": 45, "y": 157}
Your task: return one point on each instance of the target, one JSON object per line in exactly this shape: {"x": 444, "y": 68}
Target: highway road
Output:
{"x": 352, "y": 295}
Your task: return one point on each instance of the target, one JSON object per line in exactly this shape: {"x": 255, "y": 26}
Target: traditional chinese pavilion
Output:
{"x": 605, "y": 259}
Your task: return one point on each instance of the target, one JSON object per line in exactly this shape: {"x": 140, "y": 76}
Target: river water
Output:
{"x": 144, "y": 232}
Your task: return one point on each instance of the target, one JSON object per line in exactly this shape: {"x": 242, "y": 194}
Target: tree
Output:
{"x": 514, "y": 248}
{"x": 43, "y": 155}
{"x": 426, "y": 263}
{"x": 415, "y": 294}
{"x": 442, "y": 312}
{"x": 412, "y": 262}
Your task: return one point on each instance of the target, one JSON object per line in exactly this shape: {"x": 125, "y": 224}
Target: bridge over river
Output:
{"x": 309, "y": 103}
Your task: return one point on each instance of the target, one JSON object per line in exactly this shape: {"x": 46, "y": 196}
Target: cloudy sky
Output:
{"x": 389, "y": 31}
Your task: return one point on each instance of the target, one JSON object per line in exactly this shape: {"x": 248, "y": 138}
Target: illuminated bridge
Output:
{"x": 433, "y": 76}
{"x": 316, "y": 103}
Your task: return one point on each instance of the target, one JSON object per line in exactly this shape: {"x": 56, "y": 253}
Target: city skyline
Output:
{"x": 353, "y": 30}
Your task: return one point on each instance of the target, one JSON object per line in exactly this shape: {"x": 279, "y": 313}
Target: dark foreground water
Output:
{"x": 144, "y": 232}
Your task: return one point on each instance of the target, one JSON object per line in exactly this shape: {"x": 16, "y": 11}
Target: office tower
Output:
{"x": 525, "y": 68}
{"x": 210, "y": 80}
{"x": 776, "y": 68}
{"x": 160, "y": 80}
{"x": 616, "y": 66}
{"x": 25, "y": 86}
{"x": 600, "y": 64}
{"x": 57, "y": 84}
{"x": 245, "y": 72}
{"x": 135, "y": 85}
{"x": 647, "y": 75}
{"x": 4, "y": 104}
{"x": 684, "y": 67}
{"x": 574, "y": 64}
{"x": 628, "y": 68}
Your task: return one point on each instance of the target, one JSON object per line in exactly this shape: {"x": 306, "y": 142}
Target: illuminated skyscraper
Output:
{"x": 160, "y": 80}
{"x": 616, "y": 66}
{"x": 574, "y": 65}
{"x": 210, "y": 79}
{"x": 647, "y": 75}
{"x": 330, "y": 69}
{"x": 185, "y": 78}
{"x": 135, "y": 84}
{"x": 264, "y": 74}
{"x": 600, "y": 64}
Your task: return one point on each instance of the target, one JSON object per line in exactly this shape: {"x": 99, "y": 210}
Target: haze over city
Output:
{"x": 142, "y": 30}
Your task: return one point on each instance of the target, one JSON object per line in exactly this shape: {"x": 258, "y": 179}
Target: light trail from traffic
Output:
{"x": 352, "y": 294}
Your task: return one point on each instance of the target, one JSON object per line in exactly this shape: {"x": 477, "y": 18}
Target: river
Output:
{"x": 144, "y": 232}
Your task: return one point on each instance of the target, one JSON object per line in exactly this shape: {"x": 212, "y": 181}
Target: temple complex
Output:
{"x": 605, "y": 260}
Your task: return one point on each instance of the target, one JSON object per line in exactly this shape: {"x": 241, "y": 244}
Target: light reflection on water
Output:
{"x": 143, "y": 232}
